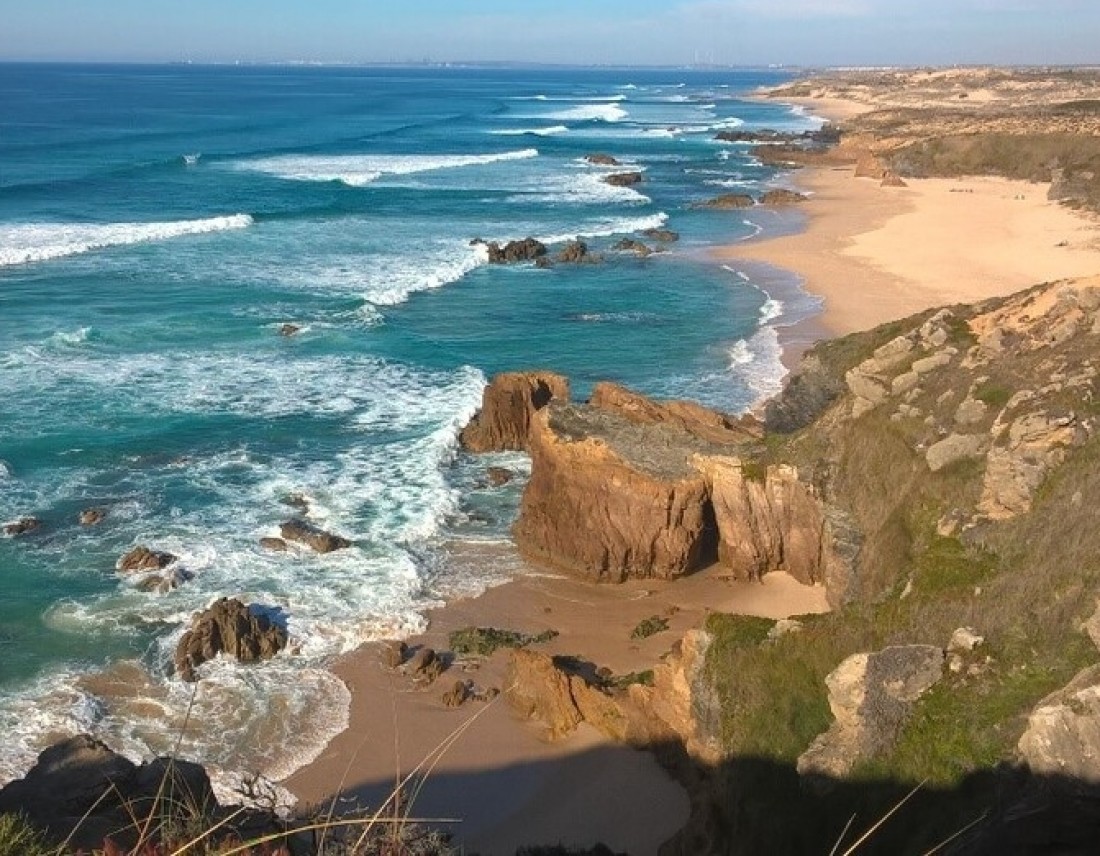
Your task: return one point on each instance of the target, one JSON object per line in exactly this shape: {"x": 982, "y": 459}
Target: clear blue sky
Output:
{"x": 811, "y": 32}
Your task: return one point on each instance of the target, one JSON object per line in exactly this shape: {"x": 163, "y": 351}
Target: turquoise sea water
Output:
{"x": 159, "y": 224}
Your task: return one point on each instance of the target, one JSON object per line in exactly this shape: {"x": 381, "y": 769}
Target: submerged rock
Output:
{"x": 729, "y": 201}
{"x": 601, "y": 159}
{"x": 22, "y": 526}
{"x": 317, "y": 539}
{"x": 92, "y": 516}
{"x": 230, "y": 627}
{"x": 663, "y": 235}
{"x": 629, "y": 245}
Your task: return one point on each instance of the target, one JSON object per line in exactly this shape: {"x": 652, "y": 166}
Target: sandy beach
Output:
{"x": 506, "y": 783}
{"x": 876, "y": 254}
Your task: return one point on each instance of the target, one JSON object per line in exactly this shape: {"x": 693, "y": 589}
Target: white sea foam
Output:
{"x": 192, "y": 159}
{"x": 551, "y": 131}
{"x": 361, "y": 170}
{"x": 581, "y": 188}
{"x": 771, "y": 310}
{"x": 607, "y": 227}
{"x": 591, "y": 113}
{"x": 21, "y": 243}
{"x": 755, "y": 227}
{"x": 70, "y": 337}
{"x": 758, "y": 360}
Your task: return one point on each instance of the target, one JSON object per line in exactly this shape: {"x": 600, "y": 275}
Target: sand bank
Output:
{"x": 507, "y": 785}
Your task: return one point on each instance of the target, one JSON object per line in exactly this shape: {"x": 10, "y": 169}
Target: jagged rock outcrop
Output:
{"x": 591, "y": 510}
{"x": 871, "y": 695}
{"x": 629, "y": 245}
{"x": 623, "y": 179}
{"x": 780, "y": 197}
{"x": 507, "y": 405}
{"x": 318, "y": 540}
{"x": 729, "y": 201}
{"x": 576, "y": 252}
{"x": 230, "y": 627}
{"x": 699, "y": 421}
{"x": 22, "y": 526}
{"x": 665, "y": 236}
{"x": 525, "y": 250}
{"x": 82, "y": 792}
{"x": 143, "y": 559}
{"x": 770, "y": 521}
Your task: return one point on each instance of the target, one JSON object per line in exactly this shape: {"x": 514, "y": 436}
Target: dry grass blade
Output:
{"x": 961, "y": 832}
{"x": 207, "y": 833}
{"x": 246, "y": 846}
{"x": 882, "y": 820}
{"x": 843, "y": 834}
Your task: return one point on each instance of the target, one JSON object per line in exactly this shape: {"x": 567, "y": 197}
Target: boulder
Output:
{"x": 953, "y": 448}
{"x": 536, "y": 687}
{"x": 319, "y": 540}
{"x": 629, "y": 245}
{"x": 457, "y": 695}
{"x": 92, "y": 516}
{"x": 729, "y": 201}
{"x": 275, "y": 545}
{"x": 507, "y": 405}
{"x": 1063, "y": 731}
{"x": 143, "y": 559}
{"x": 394, "y": 653}
{"x": 600, "y": 159}
{"x": 289, "y": 330}
{"x": 665, "y": 236}
{"x": 228, "y": 626}
{"x": 780, "y": 197}
{"x": 701, "y": 422}
{"x": 595, "y": 512}
{"x": 623, "y": 179}
{"x": 525, "y": 250}
{"x": 871, "y": 696}
{"x": 425, "y": 664}
{"x": 499, "y": 476}
{"x": 22, "y": 526}
{"x": 576, "y": 252}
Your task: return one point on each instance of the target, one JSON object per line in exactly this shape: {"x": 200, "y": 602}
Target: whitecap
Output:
{"x": 758, "y": 360}
{"x": 21, "y": 243}
{"x": 192, "y": 159}
{"x": 591, "y": 113}
{"x": 361, "y": 170}
{"x": 608, "y": 227}
{"x": 551, "y": 131}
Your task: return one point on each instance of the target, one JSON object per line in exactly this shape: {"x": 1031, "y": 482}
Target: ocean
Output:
{"x": 159, "y": 225}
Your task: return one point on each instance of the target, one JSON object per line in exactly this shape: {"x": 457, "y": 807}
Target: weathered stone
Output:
{"x": 426, "y": 664}
{"x": 970, "y": 411}
{"x": 965, "y": 640}
{"x": 1063, "y": 731}
{"x": 663, "y": 235}
{"x": 589, "y": 510}
{"x": 289, "y": 330}
{"x": 275, "y": 545}
{"x": 576, "y": 252}
{"x": 871, "y": 696}
{"x": 537, "y": 689}
{"x": 144, "y": 559}
{"x": 953, "y": 448}
{"x": 227, "y": 626}
{"x": 699, "y": 421}
{"x": 92, "y": 516}
{"x": 319, "y": 540}
{"x": 601, "y": 159}
{"x": 22, "y": 526}
{"x": 781, "y": 196}
{"x": 629, "y": 245}
{"x": 623, "y": 179}
{"x": 507, "y": 404}
{"x": 457, "y": 695}
{"x": 729, "y": 201}
{"x": 394, "y": 653}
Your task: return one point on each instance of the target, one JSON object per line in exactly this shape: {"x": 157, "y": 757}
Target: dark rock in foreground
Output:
{"x": 229, "y": 627}
{"x": 318, "y": 539}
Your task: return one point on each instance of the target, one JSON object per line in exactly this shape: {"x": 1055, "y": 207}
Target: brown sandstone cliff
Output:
{"x": 506, "y": 409}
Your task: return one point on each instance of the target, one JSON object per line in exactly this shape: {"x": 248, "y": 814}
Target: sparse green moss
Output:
{"x": 649, "y": 626}
{"x": 483, "y": 641}
{"x": 947, "y": 567}
{"x": 621, "y": 682}
{"x": 993, "y": 394}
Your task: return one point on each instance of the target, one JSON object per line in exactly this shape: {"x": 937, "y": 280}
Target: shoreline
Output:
{"x": 874, "y": 254}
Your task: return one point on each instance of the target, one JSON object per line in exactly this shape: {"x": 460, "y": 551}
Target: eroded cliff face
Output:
{"x": 590, "y": 510}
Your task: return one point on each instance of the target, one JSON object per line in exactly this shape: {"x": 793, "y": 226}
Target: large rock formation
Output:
{"x": 699, "y": 421}
{"x": 770, "y": 521}
{"x": 227, "y": 626}
{"x": 609, "y": 500}
{"x": 507, "y": 405}
{"x": 81, "y": 792}
{"x": 871, "y": 696}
